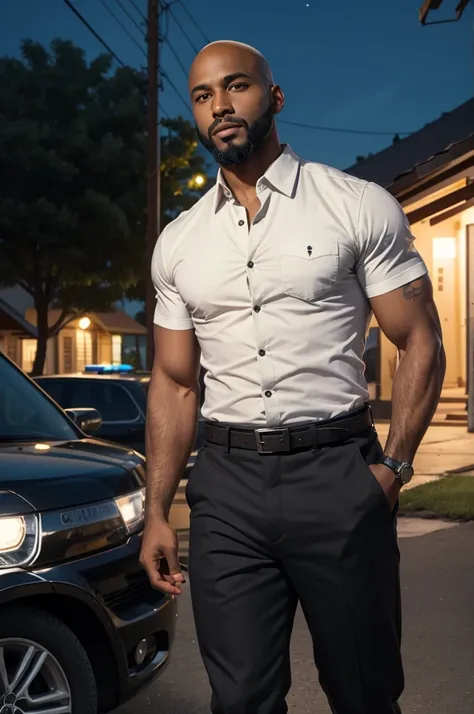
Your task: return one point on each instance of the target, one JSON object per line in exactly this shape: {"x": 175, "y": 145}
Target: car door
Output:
{"x": 122, "y": 419}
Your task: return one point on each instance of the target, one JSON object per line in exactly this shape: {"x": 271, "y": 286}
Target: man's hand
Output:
{"x": 388, "y": 481}
{"x": 159, "y": 557}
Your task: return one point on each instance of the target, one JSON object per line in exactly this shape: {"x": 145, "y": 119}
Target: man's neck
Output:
{"x": 242, "y": 180}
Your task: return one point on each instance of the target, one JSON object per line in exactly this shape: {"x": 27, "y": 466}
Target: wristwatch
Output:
{"x": 402, "y": 469}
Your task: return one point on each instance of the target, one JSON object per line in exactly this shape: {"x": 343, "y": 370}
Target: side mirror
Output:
{"x": 87, "y": 420}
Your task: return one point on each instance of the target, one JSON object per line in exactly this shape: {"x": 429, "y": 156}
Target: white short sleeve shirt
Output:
{"x": 281, "y": 309}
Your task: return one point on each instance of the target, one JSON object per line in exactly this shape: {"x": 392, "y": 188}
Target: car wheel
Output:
{"x": 43, "y": 666}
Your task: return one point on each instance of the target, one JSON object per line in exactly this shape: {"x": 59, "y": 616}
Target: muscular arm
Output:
{"x": 409, "y": 318}
{"x": 173, "y": 401}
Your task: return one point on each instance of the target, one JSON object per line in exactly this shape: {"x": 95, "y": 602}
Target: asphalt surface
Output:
{"x": 438, "y": 601}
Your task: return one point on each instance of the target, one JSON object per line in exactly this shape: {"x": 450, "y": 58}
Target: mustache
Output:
{"x": 238, "y": 121}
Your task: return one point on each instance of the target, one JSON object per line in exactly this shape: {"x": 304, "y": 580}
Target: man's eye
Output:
{"x": 202, "y": 97}
{"x": 239, "y": 86}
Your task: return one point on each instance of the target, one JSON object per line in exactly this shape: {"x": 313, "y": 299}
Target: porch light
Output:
{"x": 84, "y": 323}
{"x": 444, "y": 248}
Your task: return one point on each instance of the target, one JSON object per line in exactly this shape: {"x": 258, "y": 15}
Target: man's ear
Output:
{"x": 278, "y": 98}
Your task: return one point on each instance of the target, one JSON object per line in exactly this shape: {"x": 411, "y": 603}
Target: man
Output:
{"x": 270, "y": 281}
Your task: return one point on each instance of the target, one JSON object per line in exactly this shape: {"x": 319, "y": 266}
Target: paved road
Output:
{"x": 438, "y": 594}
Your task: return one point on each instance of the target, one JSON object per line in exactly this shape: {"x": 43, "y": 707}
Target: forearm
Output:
{"x": 415, "y": 395}
{"x": 170, "y": 435}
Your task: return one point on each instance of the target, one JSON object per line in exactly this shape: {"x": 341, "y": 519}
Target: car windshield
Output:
{"x": 25, "y": 413}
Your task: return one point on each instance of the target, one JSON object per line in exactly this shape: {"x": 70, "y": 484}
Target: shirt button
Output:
{"x": 241, "y": 222}
{"x": 257, "y": 308}
{"x": 250, "y": 264}
{"x": 268, "y": 393}
{"x": 261, "y": 353}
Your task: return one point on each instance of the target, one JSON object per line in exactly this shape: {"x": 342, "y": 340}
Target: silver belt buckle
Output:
{"x": 283, "y": 433}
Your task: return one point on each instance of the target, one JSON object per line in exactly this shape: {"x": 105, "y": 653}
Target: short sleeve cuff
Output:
{"x": 397, "y": 281}
{"x": 171, "y": 323}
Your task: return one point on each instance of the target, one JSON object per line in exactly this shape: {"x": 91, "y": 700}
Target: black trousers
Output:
{"x": 268, "y": 531}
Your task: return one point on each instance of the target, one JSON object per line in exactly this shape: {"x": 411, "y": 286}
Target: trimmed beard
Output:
{"x": 236, "y": 155}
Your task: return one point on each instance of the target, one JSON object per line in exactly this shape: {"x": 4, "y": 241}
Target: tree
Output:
{"x": 72, "y": 186}
{"x": 180, "y": 162}
{"x": 72, "y": 181}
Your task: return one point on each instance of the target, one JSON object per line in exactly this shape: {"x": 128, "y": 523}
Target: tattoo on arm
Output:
{"x": 413, "y": 291}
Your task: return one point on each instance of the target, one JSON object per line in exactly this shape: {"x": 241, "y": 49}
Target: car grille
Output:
{"x": 137, "y": 592}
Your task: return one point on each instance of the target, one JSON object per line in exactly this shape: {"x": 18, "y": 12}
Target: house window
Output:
{"x": 116, "y": 349}
{"x": 67, "y": 354}
{"x": 12, "y": 348}
{"x": 83, "y": 349}
{"x": 28, "y": 355}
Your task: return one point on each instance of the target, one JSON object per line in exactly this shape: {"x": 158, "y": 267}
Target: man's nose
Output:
{"x": 221, "y": 105}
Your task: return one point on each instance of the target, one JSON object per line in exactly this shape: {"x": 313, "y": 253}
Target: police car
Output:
{"x": 118, "y": 392}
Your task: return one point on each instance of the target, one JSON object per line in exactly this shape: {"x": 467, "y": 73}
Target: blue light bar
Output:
{"x": 108, "y": 368}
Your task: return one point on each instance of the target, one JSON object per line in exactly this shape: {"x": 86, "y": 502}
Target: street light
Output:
{"x": 197, "y": 181}
{"x": 429, "y": 5}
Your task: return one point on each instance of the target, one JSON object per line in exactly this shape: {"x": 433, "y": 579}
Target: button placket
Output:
{"x": 257, "y": 296}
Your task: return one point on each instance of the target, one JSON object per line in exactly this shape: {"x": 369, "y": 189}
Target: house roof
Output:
{"x": 402, "y": 156}
{"x": 458, "y": 155}
{"x": 120, "y": 323}
{"x": 11, "y": 319}
{"x": 116, "y": 321}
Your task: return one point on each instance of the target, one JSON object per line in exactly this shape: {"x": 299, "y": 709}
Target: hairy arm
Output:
{"x": 409, "y": 319}
{"x": 173, "y": 402}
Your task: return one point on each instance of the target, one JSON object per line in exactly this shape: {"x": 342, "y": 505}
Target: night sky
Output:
{"x": 349, "y": 64}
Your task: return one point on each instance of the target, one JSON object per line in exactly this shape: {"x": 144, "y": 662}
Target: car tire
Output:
{"x": 50, "y": 634}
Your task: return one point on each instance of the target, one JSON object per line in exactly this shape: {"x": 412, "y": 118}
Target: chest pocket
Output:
{"x": 308, "y": 272}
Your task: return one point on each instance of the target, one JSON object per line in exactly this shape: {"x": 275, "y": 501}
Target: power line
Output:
{"x": 164, "y": 33}
{"x": 130, "y": 17}
{"x": 177, "y": 57}
{"x": 183, "y": 31}
{"x": 107, "y": 47}
{"x": 175, "y": 88}
{"x": 344, "y": 131}
{"x": 138, "y": 10}
{"x": 125, "y": 29}
{"x": 206, "y": 38}
{"x": 96, "y": 34}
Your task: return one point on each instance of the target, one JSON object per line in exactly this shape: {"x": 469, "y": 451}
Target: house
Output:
{"x": 14, "y": 328}
{"x": 96, "y": 337}
{"x": 431, "y": 173}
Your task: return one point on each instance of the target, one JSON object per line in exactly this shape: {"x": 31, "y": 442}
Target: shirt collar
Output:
{"x": 280, "y": 176}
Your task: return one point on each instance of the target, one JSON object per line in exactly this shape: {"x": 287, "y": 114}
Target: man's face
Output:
{"x": 233, "y": 104}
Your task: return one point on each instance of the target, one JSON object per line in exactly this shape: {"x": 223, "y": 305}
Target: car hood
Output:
{"x": 67, "y": 473}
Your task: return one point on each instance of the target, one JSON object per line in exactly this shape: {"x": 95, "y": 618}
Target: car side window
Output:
{"x": 57, "y": 390}
{"x": 112, "y": 401}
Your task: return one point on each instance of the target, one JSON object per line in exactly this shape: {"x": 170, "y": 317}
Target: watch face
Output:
{"x": 405, "y": 473}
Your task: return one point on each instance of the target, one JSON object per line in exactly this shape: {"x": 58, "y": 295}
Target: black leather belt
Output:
{"x": 272, "y": 440}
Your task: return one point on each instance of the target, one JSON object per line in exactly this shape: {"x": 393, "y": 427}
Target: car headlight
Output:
{"x": 132, "y": 510}
{"x": 18, "y": 540}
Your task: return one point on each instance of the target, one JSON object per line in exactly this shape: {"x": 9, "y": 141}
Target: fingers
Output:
{"x": 156, "y": 578}
{"x": 173, "y": 576}
{"x": 174, "y": 568}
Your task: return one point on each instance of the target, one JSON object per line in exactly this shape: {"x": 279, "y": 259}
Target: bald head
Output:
{"x": 236, "y": 50}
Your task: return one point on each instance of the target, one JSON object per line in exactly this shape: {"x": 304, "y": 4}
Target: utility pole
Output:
{"x": 153, "y": 166}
